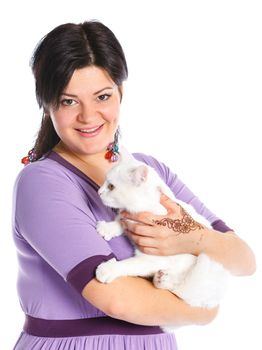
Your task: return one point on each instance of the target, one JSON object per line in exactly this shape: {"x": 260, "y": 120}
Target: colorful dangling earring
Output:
{"x": 31, "y": 157}
{"x": 112, "y": 153}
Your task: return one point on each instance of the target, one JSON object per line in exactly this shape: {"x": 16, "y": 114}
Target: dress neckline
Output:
{"x": 59, "y": 159}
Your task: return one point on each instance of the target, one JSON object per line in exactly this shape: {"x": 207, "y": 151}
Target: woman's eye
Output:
{"x": 104, "y": 97}
{"x": 68, "y": 102}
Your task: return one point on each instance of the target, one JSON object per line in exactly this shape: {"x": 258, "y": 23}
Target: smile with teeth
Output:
{"x": 91, "y": 130}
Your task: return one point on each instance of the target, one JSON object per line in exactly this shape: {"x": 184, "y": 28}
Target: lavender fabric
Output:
{"x": 55, "y": 210}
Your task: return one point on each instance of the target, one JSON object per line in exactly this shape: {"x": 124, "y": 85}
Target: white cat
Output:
{"x": 134, "y": 186}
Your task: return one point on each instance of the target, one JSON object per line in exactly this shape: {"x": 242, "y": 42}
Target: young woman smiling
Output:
{"x": 79, "y": 71}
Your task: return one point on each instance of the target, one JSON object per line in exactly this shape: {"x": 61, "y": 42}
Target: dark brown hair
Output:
{"x": 66, "y": 48}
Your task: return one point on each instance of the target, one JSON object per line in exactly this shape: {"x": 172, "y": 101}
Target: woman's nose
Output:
{"x": 87, "y": 113}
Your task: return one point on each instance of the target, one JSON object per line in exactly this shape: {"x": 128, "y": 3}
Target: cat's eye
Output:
{"x": 111, "y": 187}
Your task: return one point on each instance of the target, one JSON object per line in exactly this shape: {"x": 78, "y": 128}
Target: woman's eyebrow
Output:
{"x": 70, "y": 95}
{"x": 105, "y": 88}
{"x": 95, "y": 93}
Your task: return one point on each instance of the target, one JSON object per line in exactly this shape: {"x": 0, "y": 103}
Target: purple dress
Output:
{"x": 55, "y": 210}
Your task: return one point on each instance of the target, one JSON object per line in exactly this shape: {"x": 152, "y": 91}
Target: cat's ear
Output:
{"x": 139, "y": 175}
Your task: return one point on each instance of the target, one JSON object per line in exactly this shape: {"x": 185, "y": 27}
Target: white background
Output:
{"x": 193, "y": 100}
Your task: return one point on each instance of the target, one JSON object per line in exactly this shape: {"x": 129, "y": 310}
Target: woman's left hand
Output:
{"x": 174, "y": 233}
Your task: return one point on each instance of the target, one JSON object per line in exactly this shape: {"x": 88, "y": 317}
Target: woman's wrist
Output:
{"x": 228, "y": 249}
{"x": 203, "y": 241}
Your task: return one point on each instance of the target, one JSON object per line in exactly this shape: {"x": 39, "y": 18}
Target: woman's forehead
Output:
{"x": 89, "y": 79}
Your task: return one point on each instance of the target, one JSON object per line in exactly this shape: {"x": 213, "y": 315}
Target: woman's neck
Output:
{"x": 94, "y": 166}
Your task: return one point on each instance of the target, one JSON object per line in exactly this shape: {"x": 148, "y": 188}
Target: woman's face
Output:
{"x": 88, "y": 112}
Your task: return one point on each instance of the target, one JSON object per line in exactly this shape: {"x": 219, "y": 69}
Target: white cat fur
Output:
{"x": 198, "y": 280}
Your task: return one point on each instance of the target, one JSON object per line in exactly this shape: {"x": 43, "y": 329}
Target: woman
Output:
{"x": 79, "y": 72}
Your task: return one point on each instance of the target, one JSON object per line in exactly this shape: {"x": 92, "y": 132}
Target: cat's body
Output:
{"x": 133, "y": 186}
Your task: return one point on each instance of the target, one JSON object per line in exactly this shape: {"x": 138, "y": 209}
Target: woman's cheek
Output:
{"x": 62, "y": 119}
{"x": 111, "y": 114}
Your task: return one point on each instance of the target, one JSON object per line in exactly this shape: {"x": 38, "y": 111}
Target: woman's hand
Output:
{"x": 174, "y": 233}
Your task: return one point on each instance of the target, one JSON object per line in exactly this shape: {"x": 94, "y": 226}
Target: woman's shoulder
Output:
{"x": 43, "y": 171}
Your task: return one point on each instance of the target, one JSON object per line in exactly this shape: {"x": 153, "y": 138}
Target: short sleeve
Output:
{"x": 52, "y": 214}
{"x": 183, "y": 193}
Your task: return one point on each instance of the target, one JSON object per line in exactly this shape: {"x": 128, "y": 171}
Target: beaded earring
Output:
{"x": 112, "y": 153}
{"x": 31, "y": 157}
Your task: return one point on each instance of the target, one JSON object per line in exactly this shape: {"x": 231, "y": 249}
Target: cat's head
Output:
{"x": 129, "y": 185}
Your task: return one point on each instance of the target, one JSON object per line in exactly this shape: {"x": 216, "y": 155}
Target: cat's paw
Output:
{"x": 163, "y": 280}
{"x": 106, "y": 272}
{"x": 109, "y": 230}
{"x": 103, "y": 228}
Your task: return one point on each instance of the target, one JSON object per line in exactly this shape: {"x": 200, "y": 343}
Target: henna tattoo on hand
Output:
{"x": 184, "y": 225}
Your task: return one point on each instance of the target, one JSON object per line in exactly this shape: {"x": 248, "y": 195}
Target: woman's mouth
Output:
{"x": 90, "y": 132}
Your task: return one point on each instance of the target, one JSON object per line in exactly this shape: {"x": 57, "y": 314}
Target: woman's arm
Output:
{"x": 177, "y": 233}
{"x": 136, "y": 300}
{"x": 230, "y": 250}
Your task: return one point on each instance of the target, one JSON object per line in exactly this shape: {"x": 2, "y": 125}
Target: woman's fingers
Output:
{"x": 168, "y": 203}
{"x": 144, "y": 217}
{"x": 142, "y": 241}
{"x": 144, "y": 235}
{"x": 148, "y": 218}
{"x": 138, "y": 228}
